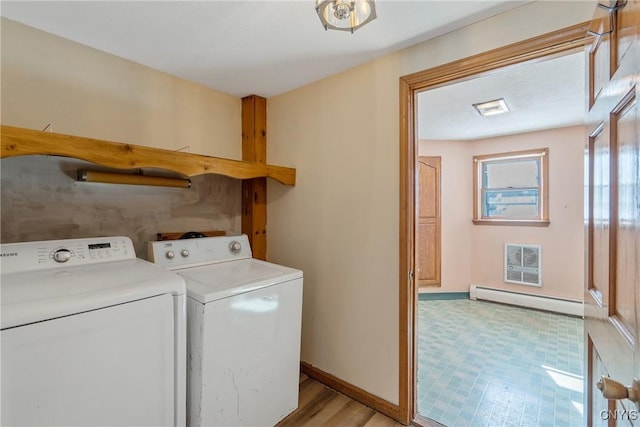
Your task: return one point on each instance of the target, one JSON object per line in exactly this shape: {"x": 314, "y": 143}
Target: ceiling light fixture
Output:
{"x": 345, "y": 15}
{"x": 491, "y": 108}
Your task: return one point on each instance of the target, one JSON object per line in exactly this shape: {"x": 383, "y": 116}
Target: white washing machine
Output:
{"x": 243, "y": 331}
{"x": 90, "y": 335}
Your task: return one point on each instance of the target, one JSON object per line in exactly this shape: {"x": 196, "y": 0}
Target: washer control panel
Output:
{"x": 199, "y": 251}
{"x": 28, "y": 256}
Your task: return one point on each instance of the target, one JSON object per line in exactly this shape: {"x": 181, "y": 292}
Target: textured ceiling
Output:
{"x": 245, "y": 47}
{"x": 270, "y": 47}
{"x": 540, "y": 95}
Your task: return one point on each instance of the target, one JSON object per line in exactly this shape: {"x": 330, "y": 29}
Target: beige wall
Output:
{"x": 473, "y": 254}
{"x": 340, "y": 223}
{"x": 83, "y": 91}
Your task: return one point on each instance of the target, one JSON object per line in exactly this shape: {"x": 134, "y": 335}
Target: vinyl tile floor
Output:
{"x": 488, "y": 364}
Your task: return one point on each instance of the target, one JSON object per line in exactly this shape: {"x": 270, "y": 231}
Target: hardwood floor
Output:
{"x": 320, "y": 405}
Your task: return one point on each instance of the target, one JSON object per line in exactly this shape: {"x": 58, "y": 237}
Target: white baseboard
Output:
{"x": 540, "y": 302}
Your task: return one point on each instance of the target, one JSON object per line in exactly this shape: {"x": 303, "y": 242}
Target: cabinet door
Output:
{"x": 428, "y": 235}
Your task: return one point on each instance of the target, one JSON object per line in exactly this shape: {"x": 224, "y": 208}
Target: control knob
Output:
{"x": 184, "y": 253}
{"x": 170, "y": 254}
{"x": 62, "y": 255}
{"x": 235, "y": 247}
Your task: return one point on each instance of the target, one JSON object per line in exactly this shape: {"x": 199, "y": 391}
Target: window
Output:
{"x": 512, "y": 188}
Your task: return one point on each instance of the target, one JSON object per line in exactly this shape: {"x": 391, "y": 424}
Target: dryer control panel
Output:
{"x": 183, "y": 253}
{"x": 30, "y": 256}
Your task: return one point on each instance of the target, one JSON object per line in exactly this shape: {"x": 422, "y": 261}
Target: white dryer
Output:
{"x": 243, "y": 323}
{"x": 91, "y": 335}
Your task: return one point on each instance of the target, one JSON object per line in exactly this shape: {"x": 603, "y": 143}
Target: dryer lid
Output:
{"x": 222, "y": 280}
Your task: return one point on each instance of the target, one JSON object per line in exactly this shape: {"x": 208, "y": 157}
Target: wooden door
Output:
{"x": 428, "y": 235}
{"x": 612, "y": 288}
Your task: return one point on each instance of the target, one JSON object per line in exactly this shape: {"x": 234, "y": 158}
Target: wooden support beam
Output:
{"x": 254, "y": 191}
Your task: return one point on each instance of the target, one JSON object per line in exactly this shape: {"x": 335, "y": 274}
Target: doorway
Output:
{"x": 555, "y": 43}
{"x": 480, "y": 362}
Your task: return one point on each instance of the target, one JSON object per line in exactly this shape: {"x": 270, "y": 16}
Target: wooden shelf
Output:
{"x": 23, "y": 142}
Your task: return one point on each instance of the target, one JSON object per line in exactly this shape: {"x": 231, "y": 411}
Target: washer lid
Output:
{"x": 34, "y": 296}
{"x": 222, "y": 280}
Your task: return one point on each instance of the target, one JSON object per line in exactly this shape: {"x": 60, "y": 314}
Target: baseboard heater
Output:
{"x": 540, "y": 302}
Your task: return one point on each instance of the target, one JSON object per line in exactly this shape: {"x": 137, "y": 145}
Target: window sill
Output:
{"x": 516, "y": 222}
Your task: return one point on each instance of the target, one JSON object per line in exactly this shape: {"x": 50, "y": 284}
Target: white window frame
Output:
{"x": 542, "y": 216}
